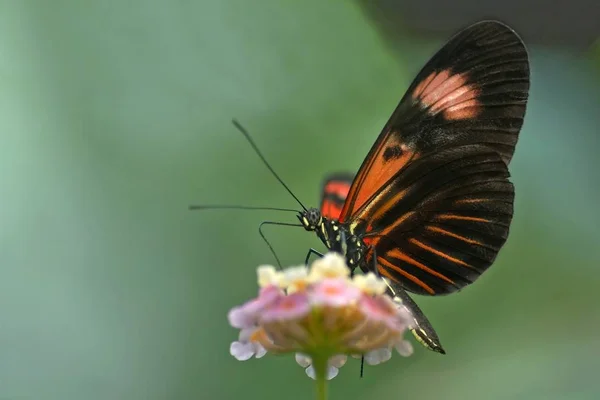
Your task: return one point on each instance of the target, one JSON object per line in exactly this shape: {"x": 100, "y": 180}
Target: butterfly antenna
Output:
{"x": 264, "y": 160}
{"x": 236, "y": 207}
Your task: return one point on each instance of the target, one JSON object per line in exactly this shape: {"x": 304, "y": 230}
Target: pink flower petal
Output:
{"x": 381, "y": 308}
{"x": 294, "y": 306}
{"x": 246, "y": 315}
{"x": 334, "y": 292}
{"x": 240, "y": 318}
{"x": 266, "y": 297}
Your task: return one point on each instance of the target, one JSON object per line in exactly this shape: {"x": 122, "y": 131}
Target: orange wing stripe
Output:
{"x": 376, "y": 237}
{"x": 396, "y": 223}
{"x": 462, "y": 217}
{"x": 388, "y": 204}
{"x": 452, "y": 234}
{"x": 472, "y": 201}
{"x": 406, "y": 258}
{"x": 402, "y": 272}
{"x": 439, "y": 253}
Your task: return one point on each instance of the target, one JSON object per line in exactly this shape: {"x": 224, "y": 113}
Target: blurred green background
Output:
{"x": 116, "y": 116}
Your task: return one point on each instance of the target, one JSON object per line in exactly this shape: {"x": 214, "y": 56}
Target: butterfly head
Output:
{"x": 310, "y": 219}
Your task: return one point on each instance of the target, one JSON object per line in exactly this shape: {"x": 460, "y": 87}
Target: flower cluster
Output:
{"x": 320, "y": 312}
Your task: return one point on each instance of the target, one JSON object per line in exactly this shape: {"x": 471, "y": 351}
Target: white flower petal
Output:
{"x": 370, "y": 284}
{"x": 242, "y": 351}
{"x": 404, "y": 348}
{"x": 331, "y": 265}
{"x": 378, "y": 356}
{"x": 245, "y": 334}
{"x": 294, "y": 273}
{"x": 294, "y": 278}
{"x": 303, "y": 360}
{"x": 259, "y": 351}
{"x": 267, "y": 275}
{"x": 372, "y": 358}
{"x": 386, "y": 354}
{"x": 310, "y": 371}
{"x": 338, "y": 361}
{"x": 332, "y": 372}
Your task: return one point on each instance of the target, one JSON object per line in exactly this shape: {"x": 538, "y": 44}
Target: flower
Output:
{"x": 378, "y": 356}
{"x": 294, "y": 279}
{"x": 370, "y": 283}
{"x": 331, "y": 265}
{"x": 291, "y": 307}
{"x": 333, "y": 365}
{"x": 247, "y": 315}
{"x": 322, "y": 315}
{"x": 268, "y": 276}
{"x": 244, "y": 349}
{"x": 334, "y": 292}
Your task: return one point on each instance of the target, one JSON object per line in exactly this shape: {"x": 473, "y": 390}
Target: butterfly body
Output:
{"x": 335, "y": 236}
{"x": 431, "y": 204}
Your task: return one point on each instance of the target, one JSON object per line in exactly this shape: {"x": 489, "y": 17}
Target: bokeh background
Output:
{"x": 115, "y": 116}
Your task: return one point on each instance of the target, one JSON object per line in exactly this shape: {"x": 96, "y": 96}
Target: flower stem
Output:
{"x": 320, "y": 366}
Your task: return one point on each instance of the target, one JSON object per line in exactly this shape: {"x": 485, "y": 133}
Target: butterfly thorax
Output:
{"x": 335, "y": 236}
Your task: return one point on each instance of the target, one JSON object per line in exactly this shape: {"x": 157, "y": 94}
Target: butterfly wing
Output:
{"x": 473, "y": 91}
{"x": 333, "y": 194}
{"x": 438, "y": 225}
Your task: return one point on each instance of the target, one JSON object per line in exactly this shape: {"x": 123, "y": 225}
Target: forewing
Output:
{"x": 333, "y": 194}
{"x": 473, "y": 91}
{"x": 439, "y": 225}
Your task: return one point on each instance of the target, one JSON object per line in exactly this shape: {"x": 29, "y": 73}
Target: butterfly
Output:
{"x": 431, "y": 204}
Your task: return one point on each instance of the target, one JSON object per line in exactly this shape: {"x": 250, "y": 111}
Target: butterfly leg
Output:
{"x": 267, "y": 242}
{"x": 312, "y": 251}
{"x": 375, "y": 269}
